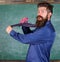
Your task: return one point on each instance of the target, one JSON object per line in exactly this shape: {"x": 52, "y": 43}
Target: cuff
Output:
{"x": 12, "y": 33}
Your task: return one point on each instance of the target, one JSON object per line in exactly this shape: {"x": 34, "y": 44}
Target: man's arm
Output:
{"x": 39, "y": 36}
{"x": 26, "y": 30}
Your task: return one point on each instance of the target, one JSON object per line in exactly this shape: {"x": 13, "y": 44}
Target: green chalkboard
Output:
{"x": 11, "y": 49}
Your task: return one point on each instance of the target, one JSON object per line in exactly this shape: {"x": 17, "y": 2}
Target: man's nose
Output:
{"x": 39, "y": 13}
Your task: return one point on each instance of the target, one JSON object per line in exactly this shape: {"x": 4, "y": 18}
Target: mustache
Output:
{"x": 39, "y": 16}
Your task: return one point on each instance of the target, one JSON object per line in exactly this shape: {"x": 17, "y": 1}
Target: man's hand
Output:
{"x": 8, "y": 29}
{"x": 24, "y": 20}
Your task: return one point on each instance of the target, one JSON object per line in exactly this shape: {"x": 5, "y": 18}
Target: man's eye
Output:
{"x": 42, "y": 11}
{"x": 38, "y": 11}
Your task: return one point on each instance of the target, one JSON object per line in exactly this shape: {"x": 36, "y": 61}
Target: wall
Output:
{"x": 10, "y": 49}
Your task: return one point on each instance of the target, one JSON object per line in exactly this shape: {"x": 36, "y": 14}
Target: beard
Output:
{"x": 40, "y": 21}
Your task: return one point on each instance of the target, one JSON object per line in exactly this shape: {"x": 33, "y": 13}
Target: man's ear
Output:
{"x": 49, "y": 15}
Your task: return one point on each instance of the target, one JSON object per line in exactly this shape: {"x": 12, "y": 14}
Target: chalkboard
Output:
{"x": 11, "y": 49}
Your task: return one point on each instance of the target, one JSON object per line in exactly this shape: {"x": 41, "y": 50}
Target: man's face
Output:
{"x": 42, "y": 11}
{"x": 42, "y": 16}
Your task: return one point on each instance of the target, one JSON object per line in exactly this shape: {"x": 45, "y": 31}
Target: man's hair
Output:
{"x": 47, "y": 5}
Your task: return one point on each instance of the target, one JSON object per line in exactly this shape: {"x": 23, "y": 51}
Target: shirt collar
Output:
{"x": 48, "y": 22}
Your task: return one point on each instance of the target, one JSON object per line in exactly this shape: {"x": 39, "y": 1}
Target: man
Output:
{"x": 41, "y": 39}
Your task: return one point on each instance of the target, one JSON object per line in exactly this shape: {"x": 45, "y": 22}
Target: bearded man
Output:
{"x": 41, "y": 39}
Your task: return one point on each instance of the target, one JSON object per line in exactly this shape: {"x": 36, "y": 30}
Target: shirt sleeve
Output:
{"x": 26, "y": 30}
{"x": 39, "y": 36}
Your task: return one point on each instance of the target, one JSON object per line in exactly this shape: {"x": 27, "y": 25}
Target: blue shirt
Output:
{"x": 40, "y": 41}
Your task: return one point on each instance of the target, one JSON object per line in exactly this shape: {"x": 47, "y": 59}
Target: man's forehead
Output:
{"x": 42, "y": 8}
